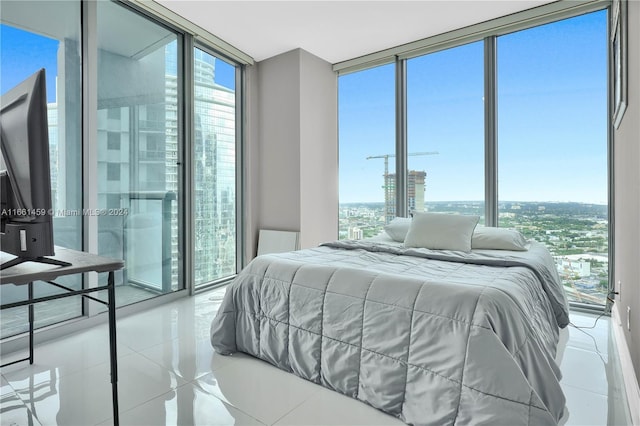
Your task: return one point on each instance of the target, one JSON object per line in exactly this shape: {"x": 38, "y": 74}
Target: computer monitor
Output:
{"x": 25, "y": 180}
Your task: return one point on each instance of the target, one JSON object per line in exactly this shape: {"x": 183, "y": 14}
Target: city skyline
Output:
{"x": 576, "y": 235}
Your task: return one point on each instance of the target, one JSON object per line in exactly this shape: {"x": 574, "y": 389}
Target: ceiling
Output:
{"x": 336, "y": 30}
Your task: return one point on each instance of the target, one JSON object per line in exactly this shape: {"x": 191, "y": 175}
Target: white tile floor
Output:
{"x": 169, "y": 375}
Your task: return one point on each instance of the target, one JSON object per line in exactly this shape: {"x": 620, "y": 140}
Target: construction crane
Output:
{"x": 386, "y": 158}
{"x": 389, "y": 201}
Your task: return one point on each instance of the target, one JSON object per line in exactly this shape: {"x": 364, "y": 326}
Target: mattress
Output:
{"x": 431, "y": 337}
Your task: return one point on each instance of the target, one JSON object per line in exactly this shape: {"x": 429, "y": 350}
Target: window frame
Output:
{"x": 239, "y": 114}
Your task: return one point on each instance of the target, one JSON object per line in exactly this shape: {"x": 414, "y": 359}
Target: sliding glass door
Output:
{"x": 138, "y": 168}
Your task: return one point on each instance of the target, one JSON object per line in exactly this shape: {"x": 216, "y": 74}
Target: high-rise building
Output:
{"x": 215, "y": 178}
{"x": 355, "y": 233}
{"x": 52, "y": 120}
{"x": 415, "y": 193}
{"x": 415, "y": 190}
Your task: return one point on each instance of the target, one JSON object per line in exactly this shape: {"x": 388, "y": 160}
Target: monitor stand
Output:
{"x": 42, "y": 259}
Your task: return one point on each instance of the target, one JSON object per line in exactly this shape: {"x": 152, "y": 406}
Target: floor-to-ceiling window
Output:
{"x": 138, "y": 171}
{"x": 552, "y": 146}
{"x": 512, "y": 125}
{"x": 118, "y": 154}
{"x": 367, "y": 153}
{"x": 28, "y": 44}
{"x": 445, "y": 140}
{"x": 214, "y": 166}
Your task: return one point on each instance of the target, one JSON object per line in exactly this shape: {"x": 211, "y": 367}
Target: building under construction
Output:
{"x": 415, "y": 193}
{"x": 415, "y": 186}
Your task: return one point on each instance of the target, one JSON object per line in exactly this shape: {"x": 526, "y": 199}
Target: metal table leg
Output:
{"x": 31, "y": 320}
{"x": 112, "y": 346}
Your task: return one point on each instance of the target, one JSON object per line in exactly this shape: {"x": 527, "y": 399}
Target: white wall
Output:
{"x": 291, "y": 174}
{"x": 250, "y": 167}
{"x": 279, "y": 141}
{"x": 627, "y": 195}
{"x": 318, "y": 151}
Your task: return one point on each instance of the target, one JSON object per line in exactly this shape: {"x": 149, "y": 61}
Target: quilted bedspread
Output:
{"x": 430, "y": 337}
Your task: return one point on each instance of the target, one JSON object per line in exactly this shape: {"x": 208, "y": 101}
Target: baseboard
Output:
{"x": 628, "y": 373}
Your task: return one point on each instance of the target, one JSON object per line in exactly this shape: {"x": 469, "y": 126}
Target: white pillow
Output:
{"x": 397, "y": 229}
{"x": 441, "y": 231}
{"x": 498, "y": 239}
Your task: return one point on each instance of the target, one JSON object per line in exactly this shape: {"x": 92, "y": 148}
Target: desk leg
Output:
{"x": 31, "y": 318}
{"x": 112, "y": 347}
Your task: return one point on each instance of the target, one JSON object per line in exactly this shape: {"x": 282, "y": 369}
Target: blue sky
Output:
{"x": 551, "y": 107}
{"x": 552, "y": 124}
{"x": 22, "y": 54}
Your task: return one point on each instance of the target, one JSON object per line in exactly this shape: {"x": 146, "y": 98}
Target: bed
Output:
{"x": 430, "y": 336}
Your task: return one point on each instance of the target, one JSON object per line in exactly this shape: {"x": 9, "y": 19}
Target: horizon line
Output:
{"x": 599, "y": 203}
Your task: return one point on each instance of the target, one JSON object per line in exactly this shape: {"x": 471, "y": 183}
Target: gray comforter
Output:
{"x": 430, "y": 337}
